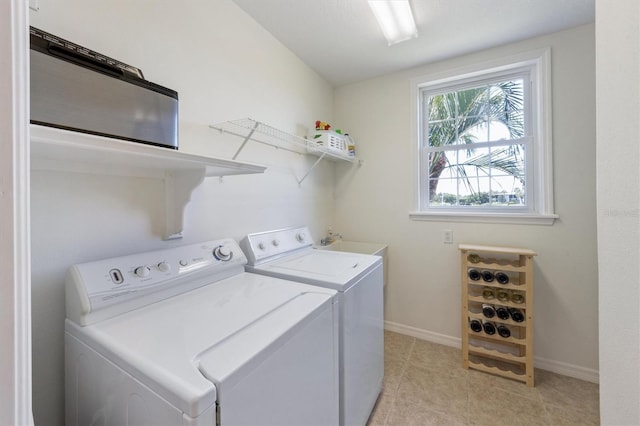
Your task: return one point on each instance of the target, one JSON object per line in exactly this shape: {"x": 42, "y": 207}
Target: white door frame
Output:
{"x": 15, "y": 256}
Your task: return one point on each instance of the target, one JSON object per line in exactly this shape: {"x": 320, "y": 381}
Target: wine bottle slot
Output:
{"x": 474, "y": 274}
{"x": 489, "y": 327}
{"x": 502, "y": 312}
{"x": 488, "y": 310}
{"x": 488, "y": 276}
{"x": 502, "y": 295}
{"x": 488, "y": 293}
{"x": 503, "y": 331}
{"x": 475, "y": 325}
{"x": 516, "y": 314}
{"x": 473, "y": 258}
{"x": 502, "y": 277}
{"x": 517, "y": 297}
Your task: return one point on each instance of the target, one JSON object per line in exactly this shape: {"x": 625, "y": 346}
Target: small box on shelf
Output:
{"x": 331, "y": 141}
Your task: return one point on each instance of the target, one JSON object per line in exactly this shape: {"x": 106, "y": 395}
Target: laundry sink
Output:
{"x": 378, "y": 249}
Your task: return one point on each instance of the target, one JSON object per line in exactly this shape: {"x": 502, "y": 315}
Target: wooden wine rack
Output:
{"x": 510, "y": 357}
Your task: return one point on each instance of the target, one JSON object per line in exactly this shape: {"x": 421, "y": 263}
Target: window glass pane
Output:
{"x": 442, "y": 106}
{"x": 441, "y": 132}
{"x": 505, "y": 106}
{"x": 509, "y": 159}
{"x": 472, "y": 102}
{"x": 439, "y": 171}
{"x": 488, "y": 176}
{"x": 438, "y": 161}
{"x": 446, "y": 195}
{"x": 476, "y": 130}
{"x": 472, "y": 115}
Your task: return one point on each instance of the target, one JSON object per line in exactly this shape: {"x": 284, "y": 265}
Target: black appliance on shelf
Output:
{"x": 74, "y": 88}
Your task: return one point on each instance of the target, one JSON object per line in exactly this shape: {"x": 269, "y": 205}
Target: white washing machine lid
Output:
{"x": 185, "y": 347}
{"x": 325, "y": 268}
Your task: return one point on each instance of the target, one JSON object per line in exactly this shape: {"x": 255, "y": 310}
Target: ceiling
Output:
{"x": 341, "y": 40}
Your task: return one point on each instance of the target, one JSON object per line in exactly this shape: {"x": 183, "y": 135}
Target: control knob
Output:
{"x": 300, "y": 236}
{"x": 142, "y": 271}
{"x": 222, "y": 253}
{"x": 261, "y": 246}
{"x": 275, "y": 243}
{"x": 164, "y": 267}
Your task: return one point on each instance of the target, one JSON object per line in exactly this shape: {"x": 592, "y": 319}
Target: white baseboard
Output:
{"x": 421, "y": 334}
{"x": 575, "y": 371}
{"x": 571, "y": 370}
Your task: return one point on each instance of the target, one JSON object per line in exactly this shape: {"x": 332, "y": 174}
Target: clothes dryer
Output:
{"x": 358, "y": 278}
{"x": 184, "y": 336}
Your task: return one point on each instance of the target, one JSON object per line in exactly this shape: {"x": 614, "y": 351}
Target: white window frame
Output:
{"x": 539, "y": 158}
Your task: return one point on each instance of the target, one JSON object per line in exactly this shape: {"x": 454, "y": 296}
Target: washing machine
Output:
{"x": 184, "y": 336}
{"x": 358, "y": 278}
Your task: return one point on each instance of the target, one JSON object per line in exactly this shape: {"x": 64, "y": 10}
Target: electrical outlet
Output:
{"x": 447, "y": 236}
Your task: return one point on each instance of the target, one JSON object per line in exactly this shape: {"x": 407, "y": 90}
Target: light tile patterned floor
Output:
{"x": 425, "y": 384}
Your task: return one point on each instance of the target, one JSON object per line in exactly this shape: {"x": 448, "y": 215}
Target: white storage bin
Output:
{"x": 330, "y": 140}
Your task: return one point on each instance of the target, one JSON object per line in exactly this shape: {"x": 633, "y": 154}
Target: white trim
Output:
{"x": 545, "y": 132}
{"x": 15, "y": 304}
{"x": 525, "y": 140}
{"x": 485, "y": 217}
{"x": 541, "y": 110}
{"x": 421, "y": 334}
{"x": 480, "y": 68}
{"x": 563, "y": 368}
{"x": 566, "y": 369}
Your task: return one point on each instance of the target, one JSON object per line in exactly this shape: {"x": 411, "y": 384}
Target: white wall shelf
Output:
{"x": 256, "y": 131}
{"x": 62, "y": 150}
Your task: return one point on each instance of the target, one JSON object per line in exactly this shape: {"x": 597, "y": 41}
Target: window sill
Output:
{"x": 476, "y": 217}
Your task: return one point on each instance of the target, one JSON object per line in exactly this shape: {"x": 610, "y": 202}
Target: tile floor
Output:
{"x": 425, "y": 384}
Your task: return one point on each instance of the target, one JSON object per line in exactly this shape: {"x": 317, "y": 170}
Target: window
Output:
{"x": 484, "y": 143}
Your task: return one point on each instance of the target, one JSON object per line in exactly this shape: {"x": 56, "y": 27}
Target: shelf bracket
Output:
{"x": 178, "y": 186}
{"x": 311, "y": 169}
{"x": 246, "y": 139}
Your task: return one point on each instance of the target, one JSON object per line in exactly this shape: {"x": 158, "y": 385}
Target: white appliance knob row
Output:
{"x": 222, "y": 253}
{"x": 142, "y": 271}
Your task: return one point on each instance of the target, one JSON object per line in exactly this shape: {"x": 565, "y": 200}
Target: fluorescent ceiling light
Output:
{"x": 395, "y": 19}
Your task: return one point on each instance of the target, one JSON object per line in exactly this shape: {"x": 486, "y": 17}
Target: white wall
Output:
{"x": 618, "y": 147}
{"x": 423, "y": 294}
{"x": 224, "y": 67}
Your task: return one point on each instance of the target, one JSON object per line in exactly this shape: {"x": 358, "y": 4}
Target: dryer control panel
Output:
{"x": 270, "y": 245}
{"x": 105, "y": 288}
